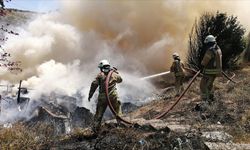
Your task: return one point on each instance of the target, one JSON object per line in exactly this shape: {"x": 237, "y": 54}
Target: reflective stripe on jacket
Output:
{"x": 212, "y": 71}
{"x": 212, "y": 61}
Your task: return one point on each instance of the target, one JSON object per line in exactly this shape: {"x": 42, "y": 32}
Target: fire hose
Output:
{"x": 167, "y": 109}
{"x": 179, "y": 98}
{"x": 229, "y": 79}
{"x": 109, "y": 102}
{"x": 157, "y": 117}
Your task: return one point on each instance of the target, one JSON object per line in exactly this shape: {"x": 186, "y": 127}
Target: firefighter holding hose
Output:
{"x": 178, "y": 69}
{"x": 211, "y": 68}
{"x": 113, "y": 95}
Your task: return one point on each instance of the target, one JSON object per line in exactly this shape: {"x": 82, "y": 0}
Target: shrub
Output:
{"x": 229, "y": 34}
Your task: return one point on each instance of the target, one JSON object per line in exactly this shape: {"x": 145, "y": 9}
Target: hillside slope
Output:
{"x": 15, "y": 17}
{"x": 223, "y": 125}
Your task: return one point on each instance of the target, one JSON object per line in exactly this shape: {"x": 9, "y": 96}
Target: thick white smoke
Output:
{"x": 58, "y": 58}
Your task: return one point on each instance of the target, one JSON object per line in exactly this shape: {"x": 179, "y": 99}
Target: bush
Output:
{"x": 228, "y": 32}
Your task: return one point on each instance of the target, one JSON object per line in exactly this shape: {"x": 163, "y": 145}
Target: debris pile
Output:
{"x": 138, "y": 136}
{"x": 60, "y": 118}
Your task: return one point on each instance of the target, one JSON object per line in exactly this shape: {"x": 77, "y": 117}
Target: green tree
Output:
{"x": 229, "y": 34}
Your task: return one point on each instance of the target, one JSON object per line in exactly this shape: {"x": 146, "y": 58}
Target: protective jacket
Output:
{"x": 100, "y": 82}
{"x": 212, "y": 61}
{"x": 178, "y": 68}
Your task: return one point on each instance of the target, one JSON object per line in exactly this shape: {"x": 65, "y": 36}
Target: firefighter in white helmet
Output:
{"x": 211, "y": 68}
{"x": 102, "y": 101}
{"x": 178, "y": 69}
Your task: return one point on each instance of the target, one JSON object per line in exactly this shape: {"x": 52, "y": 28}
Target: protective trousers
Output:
{"x": 206, "y": 87}
{"x": 102, "y": 105}
{"x": 179, "y": 85}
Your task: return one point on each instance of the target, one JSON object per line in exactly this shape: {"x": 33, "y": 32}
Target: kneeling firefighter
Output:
{"x": 178, "y": 69}
{"x": 211, "y": 68}
{"x": 102, "y": 101}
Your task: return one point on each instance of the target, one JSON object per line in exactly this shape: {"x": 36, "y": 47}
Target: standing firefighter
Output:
{"x": 1, "y": 3}
{"x": 102, "y": 101}
{"x": 211, "y": 68}
{"x": 178, "y": 69}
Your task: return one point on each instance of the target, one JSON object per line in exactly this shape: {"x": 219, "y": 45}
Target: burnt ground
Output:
{"x": 136, "y": 137}
{"x": 222, "y": 125}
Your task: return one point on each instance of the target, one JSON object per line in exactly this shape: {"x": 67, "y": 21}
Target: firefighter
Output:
{"x": 102, "y": 101}
{"x": 178, "y": 69}
{"x": 2, "y": 3}
{"x": 211, "y": 68}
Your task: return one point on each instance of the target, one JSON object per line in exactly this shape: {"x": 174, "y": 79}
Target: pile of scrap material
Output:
{"x": 45, "y": 116}
{"x": 81, "y": 118}
{"x": 60, "y": 119}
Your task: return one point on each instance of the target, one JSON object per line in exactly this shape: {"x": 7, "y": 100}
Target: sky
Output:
{"x": 34, "y": 5}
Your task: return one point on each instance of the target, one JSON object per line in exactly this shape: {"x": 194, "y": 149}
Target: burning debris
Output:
{"x": 60, "y": 112}
{"x": 59, "y": 123}
{"x": 137, "y": 137}
{"x": 128, "y": 107}
{"x": 62, "y": 117}
{"x": 62, "y": 124}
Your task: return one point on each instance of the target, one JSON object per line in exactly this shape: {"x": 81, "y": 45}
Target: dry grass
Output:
{"x": 240, "y": 136}
{"x": 17, "y": 138}
{"x": 241, "y": 131}
{"x": 23, "y": 138}
{"x": 231, "y": 108}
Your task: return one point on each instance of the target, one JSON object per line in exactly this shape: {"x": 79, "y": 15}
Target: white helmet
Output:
{"x": 176, "y": 55}
{"x": 209, "y": 38}
{"x": 103, "y": 63}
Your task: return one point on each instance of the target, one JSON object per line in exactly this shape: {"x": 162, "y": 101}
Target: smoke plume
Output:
{"x": 149, "y": 31}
